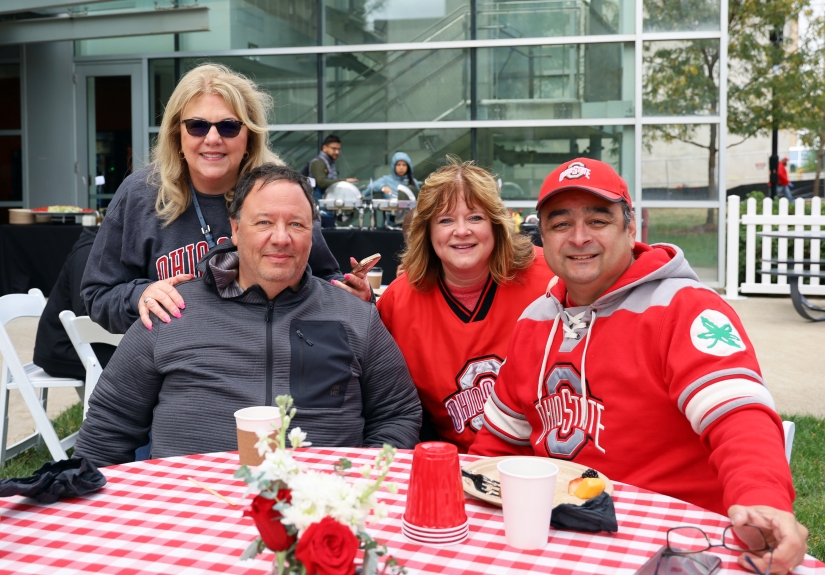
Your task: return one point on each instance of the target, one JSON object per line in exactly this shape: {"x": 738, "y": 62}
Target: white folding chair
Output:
{"x": 83, "y": 332}
{"x": 27, "y": 378}
{"x": 790, "y": 431}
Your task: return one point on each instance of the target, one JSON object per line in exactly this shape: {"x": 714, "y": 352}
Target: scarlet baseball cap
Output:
{"x": 585, "y": 174}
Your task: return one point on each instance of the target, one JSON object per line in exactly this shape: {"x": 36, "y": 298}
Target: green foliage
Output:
{"x": 764, "y": 85}
{"x": 30, "y": 461}
{"x": 811, "y": 115}
{"x": 682, "y": 77}
{"x": 808, "y": 469}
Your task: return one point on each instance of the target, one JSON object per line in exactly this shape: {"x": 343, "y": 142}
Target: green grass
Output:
{"x": 686, "y": 228}
{"x": 807, "y": 466}
{"x": 30, "y": 461}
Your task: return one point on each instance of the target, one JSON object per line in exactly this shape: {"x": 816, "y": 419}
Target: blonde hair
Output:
{"x": 170, "y": 172}
{"x": 512, "y": 253}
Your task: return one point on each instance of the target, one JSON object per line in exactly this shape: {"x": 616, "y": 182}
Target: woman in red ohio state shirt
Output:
{"x": 468, "y": 276}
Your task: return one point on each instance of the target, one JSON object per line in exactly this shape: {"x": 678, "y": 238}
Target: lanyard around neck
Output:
{"x": 207, "y": 233}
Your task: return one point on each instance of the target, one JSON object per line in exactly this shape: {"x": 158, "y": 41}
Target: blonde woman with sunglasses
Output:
{"x": 165, "y": 217}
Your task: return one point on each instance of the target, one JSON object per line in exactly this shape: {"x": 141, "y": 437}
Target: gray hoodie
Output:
{"x": 232, "y": 349}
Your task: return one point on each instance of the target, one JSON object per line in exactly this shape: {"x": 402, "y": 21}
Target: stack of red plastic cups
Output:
{"x": 435, "y": 501}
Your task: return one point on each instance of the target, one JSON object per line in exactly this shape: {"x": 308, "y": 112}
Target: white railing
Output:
{"x": 752, "y": 222}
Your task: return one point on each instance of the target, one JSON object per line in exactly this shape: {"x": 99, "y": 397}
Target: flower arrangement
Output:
{"x": 314, "y": 521}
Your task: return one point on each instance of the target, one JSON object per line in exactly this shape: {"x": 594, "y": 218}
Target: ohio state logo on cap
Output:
{"x": 588, "y": 175}
{"x": 574, "y": 171}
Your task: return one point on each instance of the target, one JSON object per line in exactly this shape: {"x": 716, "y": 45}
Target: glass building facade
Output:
{"x": 519, "y": 86}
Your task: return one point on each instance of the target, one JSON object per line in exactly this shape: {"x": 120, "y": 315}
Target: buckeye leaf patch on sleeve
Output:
{"x": 713, "y": 333}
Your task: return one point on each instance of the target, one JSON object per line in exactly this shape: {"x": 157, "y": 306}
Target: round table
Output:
{"x": 150, "y": 519}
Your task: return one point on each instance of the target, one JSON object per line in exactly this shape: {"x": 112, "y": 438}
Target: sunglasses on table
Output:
{"x": 686, "y": 541}
{"x": 199, "y": 128}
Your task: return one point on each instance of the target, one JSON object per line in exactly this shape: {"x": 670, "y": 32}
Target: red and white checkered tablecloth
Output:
{"x": 150, "y": 519}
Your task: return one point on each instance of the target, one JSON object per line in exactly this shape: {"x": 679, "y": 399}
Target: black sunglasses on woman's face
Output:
{"x": 199, "y": 128}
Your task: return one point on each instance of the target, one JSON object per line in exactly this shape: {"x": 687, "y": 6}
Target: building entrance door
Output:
{"x": 110, "y": 128}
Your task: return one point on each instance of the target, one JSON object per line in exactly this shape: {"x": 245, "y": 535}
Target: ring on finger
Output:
{"x": 146, "y": 301}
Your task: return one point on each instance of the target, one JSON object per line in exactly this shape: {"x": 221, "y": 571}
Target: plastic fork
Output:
{"x": 483, "y": 483}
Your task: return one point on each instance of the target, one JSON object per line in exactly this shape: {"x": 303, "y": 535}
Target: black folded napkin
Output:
{"x": 593, "y": 515}
{"x": 56, "y": 480}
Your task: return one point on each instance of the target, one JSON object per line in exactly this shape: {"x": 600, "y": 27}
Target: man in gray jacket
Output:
{"x": 256, "y": 325}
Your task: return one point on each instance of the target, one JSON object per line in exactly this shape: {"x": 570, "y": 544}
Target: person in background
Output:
{"x": 630, "y": 366}
{"x": 166, "y": 216}
{"x": 53, "y": 350}
{"x": 402, "y": 175}
{"x": 468, "y": 276}
{"x": 322, "y": 167}
{"x": 783, "y": 183}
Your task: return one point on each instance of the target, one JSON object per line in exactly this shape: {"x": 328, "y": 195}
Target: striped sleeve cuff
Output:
{"x": 704, "y": 402}
{"x": 505, "y": 423}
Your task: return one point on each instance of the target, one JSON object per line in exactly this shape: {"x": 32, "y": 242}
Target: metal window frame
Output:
{"x": 638, "y": 121}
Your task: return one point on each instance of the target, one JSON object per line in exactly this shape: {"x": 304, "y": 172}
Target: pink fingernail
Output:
{"x": 167, "y": 319}
{"x": 182, "y": 305}
{"x": 149, "y": 327}
{"x": 347, "y": 276}
{"x": 177, "y": 314}
{"x": 332, "y": 282}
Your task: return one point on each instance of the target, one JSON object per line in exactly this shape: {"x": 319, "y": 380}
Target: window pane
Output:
{"x": 422, "y": 85}
{"x": 290, "y": 80}
{"x": 694, "y": 230}
{"x": 535, "y": 19}
{"x": 233, "y": 25}
{"x": 680, "y": 162}
{"x": 567, "y": 81}
{"x": 522, "y": 157}
{"x": 11, "y": 169}
{"x": 366, "y": 154}
{"x": 10, "y": 97}
{"x": 381, "y": 22}
{"x": 680, "y": 78}
{"x": 681, "y": 15}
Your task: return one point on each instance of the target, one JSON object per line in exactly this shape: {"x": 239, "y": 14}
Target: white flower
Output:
{"x": 278, "y": 465}
{"x": 365, "y": 470}
{"x": 297, "y": 438}
{"x": 316, "y": 495}
{"x": 263, "y": 442}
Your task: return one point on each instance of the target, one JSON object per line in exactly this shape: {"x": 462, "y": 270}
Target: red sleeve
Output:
{"x": 748, "y": 453}
{"x": 712, "y": 374}
{"x": 506, "y": 430}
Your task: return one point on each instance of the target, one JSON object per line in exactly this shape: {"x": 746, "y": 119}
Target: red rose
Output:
{"x": 327, "y": 548}
{"x": 268, "y": 521}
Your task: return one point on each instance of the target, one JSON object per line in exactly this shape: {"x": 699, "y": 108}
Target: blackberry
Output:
{"x": 590, "y": 473}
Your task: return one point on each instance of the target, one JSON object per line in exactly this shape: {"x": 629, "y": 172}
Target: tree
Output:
{"x": 812, "y": 114}
{"x": 682, "y": 78}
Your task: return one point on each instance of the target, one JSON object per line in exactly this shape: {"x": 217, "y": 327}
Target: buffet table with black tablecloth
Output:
{"x": 346, "y": 242}
{"x": 31, "y": 256}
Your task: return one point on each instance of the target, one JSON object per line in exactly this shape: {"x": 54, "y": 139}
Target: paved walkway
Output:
{"x": 791, "y": 352}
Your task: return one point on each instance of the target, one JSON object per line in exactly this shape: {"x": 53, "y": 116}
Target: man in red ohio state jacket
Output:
{"x": 631, "y": 366}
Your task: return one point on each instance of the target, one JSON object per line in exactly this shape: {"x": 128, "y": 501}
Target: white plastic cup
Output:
{"x": 527, "y": 487}
{"x": 249, "y": 421}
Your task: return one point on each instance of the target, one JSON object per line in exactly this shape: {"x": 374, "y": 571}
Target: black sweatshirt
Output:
{"x": 133, "y": 250}
{"x": 53, "y": 350}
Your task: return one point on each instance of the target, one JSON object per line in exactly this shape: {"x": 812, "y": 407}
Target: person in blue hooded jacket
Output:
{"x": 402, "y": 174}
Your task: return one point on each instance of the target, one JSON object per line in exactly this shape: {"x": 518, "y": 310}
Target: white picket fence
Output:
{"x": 752, "y": 222}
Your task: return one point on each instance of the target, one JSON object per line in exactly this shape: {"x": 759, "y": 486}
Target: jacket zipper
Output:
{"x": 269, "y": 307}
